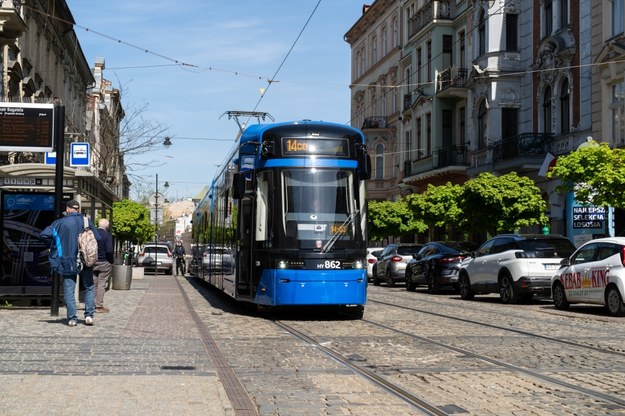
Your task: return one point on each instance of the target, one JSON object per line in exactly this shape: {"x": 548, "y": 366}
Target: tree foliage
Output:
{"x": 487, "y": 203}
{"x": 595, "y": 172}
{"x": 438, "y": 206}
{"x": 388, "y": 218}
{"x": 501, "y": 203}
{"x": 131, "y": 222}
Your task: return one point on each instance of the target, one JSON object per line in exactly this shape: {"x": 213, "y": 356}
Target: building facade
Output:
{"x": 42, "y": 62}
{"x": 497, "y": 85}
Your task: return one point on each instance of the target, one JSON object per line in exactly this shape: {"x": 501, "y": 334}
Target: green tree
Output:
{"x": 131, "y": 222}
{"x": 438, "y": 206}
{"x": 392, "y": 218}
{"x": 504, "y": 203}
{"x": 595, "y": 172}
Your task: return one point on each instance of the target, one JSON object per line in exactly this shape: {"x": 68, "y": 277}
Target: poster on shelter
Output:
{"x": 24, "y": 255}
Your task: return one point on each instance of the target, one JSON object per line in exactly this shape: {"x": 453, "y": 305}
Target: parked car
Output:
{"x": 437, "y": 265}
{"x": 594, "y": 274}
{"x": 156, "y": 257}
{"x": 218, "y": 260}
{"x": 516, "y": 266}
{"x": 372, "y": 256}
{"x": 391, "y": 265}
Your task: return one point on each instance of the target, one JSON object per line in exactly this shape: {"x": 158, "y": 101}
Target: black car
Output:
{"x": 437, "y": 264}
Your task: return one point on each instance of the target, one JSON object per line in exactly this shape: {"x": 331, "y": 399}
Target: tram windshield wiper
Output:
{"x": 348, "y": 221}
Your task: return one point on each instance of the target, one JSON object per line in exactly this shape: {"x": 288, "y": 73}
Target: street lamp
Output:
{"x": 156, "y": 198}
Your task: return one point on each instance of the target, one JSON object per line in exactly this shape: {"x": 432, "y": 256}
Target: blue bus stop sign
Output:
{"x": 79, "y": 154}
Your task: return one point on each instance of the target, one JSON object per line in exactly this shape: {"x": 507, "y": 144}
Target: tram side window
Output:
{"x": 263, "y": 207}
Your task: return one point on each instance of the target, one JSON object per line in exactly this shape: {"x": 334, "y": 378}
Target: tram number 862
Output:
{"x": 329, "y": 264}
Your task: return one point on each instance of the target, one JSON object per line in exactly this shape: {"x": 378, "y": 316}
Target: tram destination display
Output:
{"x": 26, "y": 127}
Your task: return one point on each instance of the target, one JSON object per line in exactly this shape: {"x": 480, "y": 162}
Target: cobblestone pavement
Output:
{"x": 166, "y": 345}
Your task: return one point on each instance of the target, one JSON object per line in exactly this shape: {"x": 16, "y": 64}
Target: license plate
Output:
{"x": 552, "y": 266}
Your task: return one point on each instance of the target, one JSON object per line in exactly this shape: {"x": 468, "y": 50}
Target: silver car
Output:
{"x": 391, "y": 265}
{"x": 156, "y": 258}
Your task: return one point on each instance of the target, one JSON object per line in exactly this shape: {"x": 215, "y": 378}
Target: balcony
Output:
{"x": 452, "y": 83}
{"x": 428, "y": 14}
{"x": 378, "y": 122}
{"x": 11, "y": 24}
{"x": 442, "y": 166}
{"x": 514, "y": 152}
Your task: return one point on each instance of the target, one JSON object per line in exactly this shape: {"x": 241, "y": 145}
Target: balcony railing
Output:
{"x": 451, "y": 78}
{"x": 427, "y": 14}
{"x": 522, "y": 145}
{"x": 526, "y": 144}
{"x": 375, "y": 123}
{"x": 440, "y": 159}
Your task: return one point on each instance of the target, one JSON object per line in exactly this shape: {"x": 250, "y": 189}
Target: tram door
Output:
{"x": 244, "y": 278}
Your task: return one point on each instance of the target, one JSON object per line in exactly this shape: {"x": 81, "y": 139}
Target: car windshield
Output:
{"x": 218, "y": 250}
{"x": 547, "y": 248}
{"x": 158, "y": 250}
{"x": 408, "y": 250}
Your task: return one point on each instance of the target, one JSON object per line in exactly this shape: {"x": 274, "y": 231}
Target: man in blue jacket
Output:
{"x": 62, "y": 235}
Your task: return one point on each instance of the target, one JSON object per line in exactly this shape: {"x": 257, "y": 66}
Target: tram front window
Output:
{"x": 318, "y": 205}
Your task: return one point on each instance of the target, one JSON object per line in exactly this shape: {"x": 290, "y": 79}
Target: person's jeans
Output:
{"x": 69, "y": 286}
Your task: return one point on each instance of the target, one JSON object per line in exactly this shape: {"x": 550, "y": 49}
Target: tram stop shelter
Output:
{"x": 26, "y": 208}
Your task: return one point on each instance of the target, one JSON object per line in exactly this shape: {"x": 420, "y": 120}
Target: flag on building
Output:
{"x": 548, "y": 164}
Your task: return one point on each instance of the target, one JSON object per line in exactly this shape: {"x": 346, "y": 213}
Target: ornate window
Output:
{"x": 379, "y": 162}
{"x": 548, "y": 18}
{"x": 482, "y": 33}
{"x": 618, "y": 112}
{"x": 618, "y": 15}
{"x": 565, "y": 103}
{"x": 547, "y": 110}
{"x": 482, "y": 124}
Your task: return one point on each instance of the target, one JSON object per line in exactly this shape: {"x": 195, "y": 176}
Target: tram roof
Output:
{"x": 256, "y": 131}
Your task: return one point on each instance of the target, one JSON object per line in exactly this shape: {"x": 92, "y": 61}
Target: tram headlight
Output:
{"x": 282, "y": 264}
{"x": 358, "y": 264}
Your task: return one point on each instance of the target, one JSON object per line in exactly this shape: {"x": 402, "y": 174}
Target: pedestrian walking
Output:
{"x": 179, "y": 253}
{"x": 104, "y": 266}
{"x": 62, "y": 236}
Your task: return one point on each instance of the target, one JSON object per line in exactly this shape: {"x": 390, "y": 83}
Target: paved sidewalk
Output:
{"x": 145, "y": 357}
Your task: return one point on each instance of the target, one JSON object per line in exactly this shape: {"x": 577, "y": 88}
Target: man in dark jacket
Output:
{"x": 62, "y": 235}
{"x": 104, "y": 266}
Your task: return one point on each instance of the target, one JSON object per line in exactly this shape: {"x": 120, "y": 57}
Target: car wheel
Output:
{"x": 559, "y": 296}
{"x": 433, "y": 286}
{"x": 464, "y": 286}
{"x": 614, "y": 301}
{"x": 507, "y": 293}
{"x": 389, "y": 278}
{"x": 376, "y": 280}
{"x": 409, "y": 284}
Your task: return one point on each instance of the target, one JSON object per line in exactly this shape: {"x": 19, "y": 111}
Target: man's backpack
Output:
{"x": 87, "y": 245}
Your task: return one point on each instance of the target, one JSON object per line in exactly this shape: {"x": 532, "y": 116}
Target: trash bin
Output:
{"x": 122, "y": 277}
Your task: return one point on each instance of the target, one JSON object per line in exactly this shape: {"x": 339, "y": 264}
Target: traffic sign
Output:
{"x": 50, "y": 158}
{"x": 156, "y": 199}
{"x": 79, "y": 154}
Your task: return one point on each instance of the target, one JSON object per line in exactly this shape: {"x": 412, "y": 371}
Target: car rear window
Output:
{"x": 547, "y": 248}
{"x": 159, "y": 250}
{"x": 408, "y": 250}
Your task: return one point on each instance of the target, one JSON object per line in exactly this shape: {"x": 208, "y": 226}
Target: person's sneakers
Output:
{"x": 72, "y": 322}
{"x": 88, "y": 320}
{"x": 102, "y": 309}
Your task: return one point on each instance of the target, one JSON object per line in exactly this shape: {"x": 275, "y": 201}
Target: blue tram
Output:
{"x": 284, "y": 222}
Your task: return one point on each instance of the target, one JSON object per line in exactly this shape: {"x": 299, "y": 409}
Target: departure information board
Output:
{"x": 26, "y": 127}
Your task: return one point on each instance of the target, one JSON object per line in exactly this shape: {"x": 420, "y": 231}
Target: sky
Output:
{"x": 188, "y": 63}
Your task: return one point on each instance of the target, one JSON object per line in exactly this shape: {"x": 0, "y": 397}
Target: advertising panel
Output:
{"x": 25, "y": 268}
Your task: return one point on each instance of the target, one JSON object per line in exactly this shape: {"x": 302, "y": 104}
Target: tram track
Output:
{"x": 397, "y": 391}
{"x": 615, "y": 402}
{"x": 502, "y": 328}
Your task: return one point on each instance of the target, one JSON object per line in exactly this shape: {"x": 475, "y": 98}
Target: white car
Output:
{"x": 517, "y": 266}
{"x": 594, "y": 274}
{"x": 372, "y": 256}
